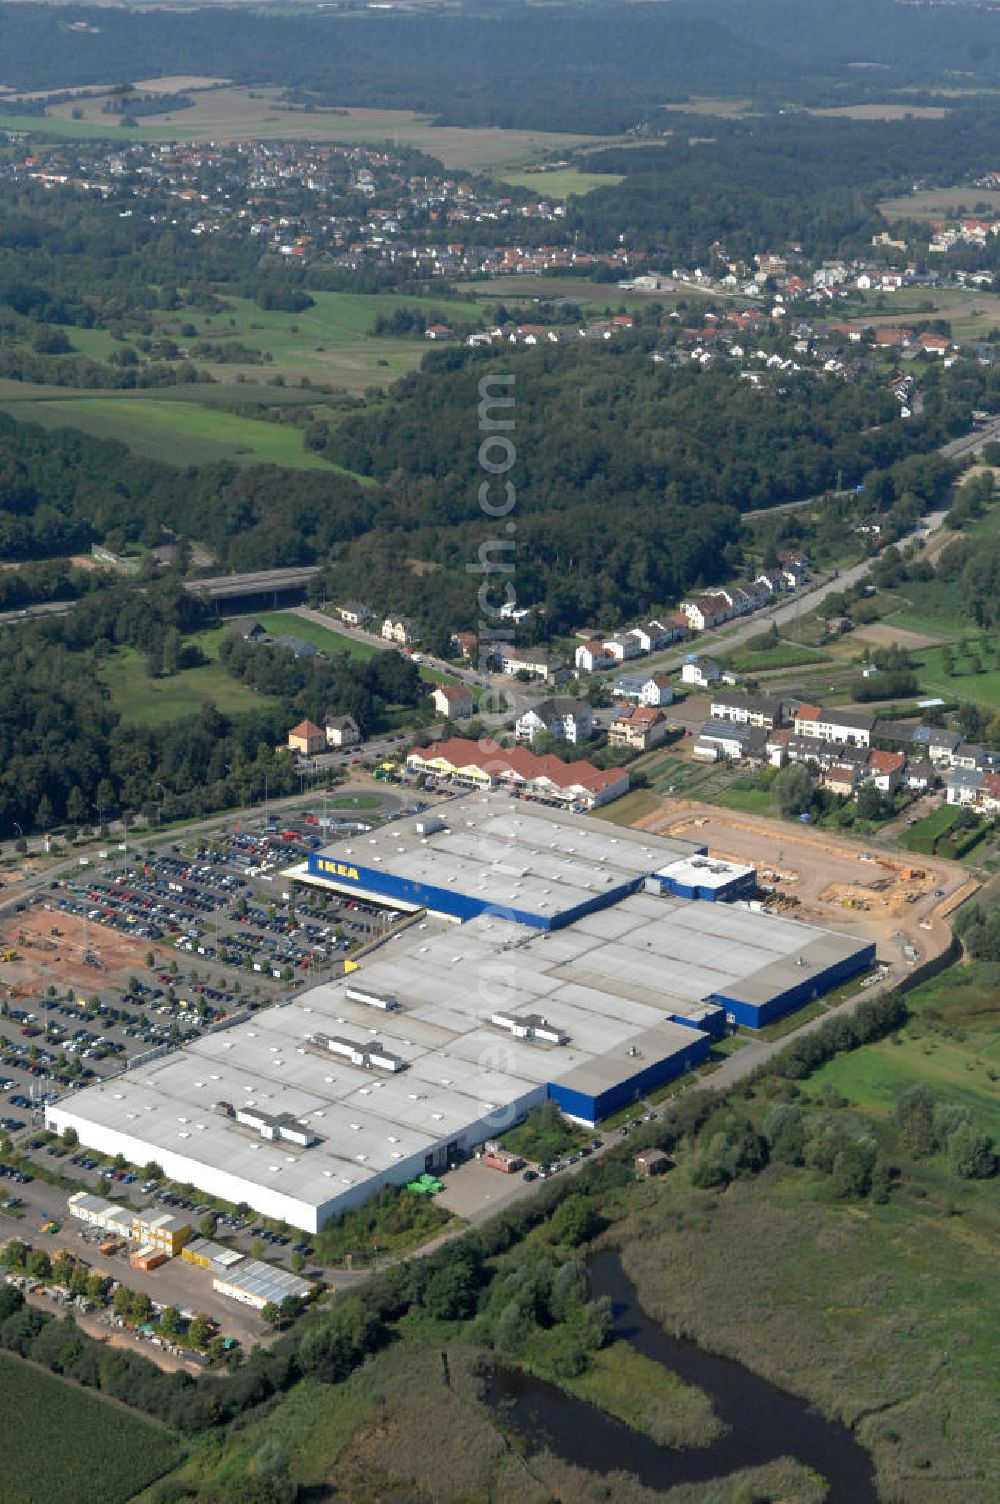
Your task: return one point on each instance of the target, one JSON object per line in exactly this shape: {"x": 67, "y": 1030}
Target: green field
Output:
{"x": 142, "y": 701}
{"x": 562, "y": 181}
{"x": 951, "y": 1045}
{"x": 65, "y": 1446}
{"x": 963, "y": 683}
{"x": 156, "y": 428}
{"x": 290, "y": 624}
{"x": 630, "y": 808}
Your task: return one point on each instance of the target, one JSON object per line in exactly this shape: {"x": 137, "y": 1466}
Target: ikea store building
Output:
{"x": 550, "y": 957}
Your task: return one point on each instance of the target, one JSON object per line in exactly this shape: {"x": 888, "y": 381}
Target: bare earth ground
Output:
{"x": 54, "y": 946}
{"x": 881, "y": 635}
{"x": 822, "y": 871}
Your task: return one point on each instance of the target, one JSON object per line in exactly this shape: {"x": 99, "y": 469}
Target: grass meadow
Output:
{"x": 291, "y": 624}
{"x": 142, "y": 701}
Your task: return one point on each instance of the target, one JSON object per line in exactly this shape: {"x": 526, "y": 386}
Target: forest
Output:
{"x": 611, "y": 75}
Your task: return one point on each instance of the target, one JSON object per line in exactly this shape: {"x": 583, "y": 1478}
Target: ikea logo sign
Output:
{"x": 337, "y": 869}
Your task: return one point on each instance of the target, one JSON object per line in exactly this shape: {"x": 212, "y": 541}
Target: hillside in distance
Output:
{"x": 617, "y": 63}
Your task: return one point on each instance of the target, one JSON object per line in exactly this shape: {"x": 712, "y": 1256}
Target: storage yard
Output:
{"x": 593, "y": 966}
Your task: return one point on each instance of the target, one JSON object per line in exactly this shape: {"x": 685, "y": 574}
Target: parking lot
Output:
{"x": 153, "y": 946}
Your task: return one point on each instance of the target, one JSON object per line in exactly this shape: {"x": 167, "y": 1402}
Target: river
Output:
{"x": 763, "y": 1422}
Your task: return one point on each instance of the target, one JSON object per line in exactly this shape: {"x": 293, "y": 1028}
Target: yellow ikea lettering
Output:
{"x": 338, "y": 869}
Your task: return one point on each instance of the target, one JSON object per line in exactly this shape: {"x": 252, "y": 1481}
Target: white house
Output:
{"x": 453, "y": 700}
{"x": 403, "y": 630}
{"x": 531, "y": 661}
{"x": 341, "y": 731}
{"x": 354, "y": 614}
{"x": 591, "y": 657}
{"x": 850, "y": 727}
{"x": 702, "y": 672}
{"x": 962, "y": 785}
{"x": 657, "y": 691}
{"x": 707, "y": 611}
{"x": 620, "y": 648}
{"x": 564, "y": 717}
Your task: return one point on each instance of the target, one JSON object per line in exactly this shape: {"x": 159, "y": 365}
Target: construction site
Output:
{"x": 45, "y": 948}
{"x": 897, "y": 901}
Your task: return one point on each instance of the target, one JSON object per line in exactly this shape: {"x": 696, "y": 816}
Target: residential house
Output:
{"x": 533, "y": 662}
{"x": 437, "y": 332}
{"x": 706, "y": 611}
{"x": 962, "y": 785}
{"x": 453, "y": 701}
{"x": 722, "y": 739}
{"x": 354, "y": 614}
{"x": 811, "y": 749}
{"x": 776, "y": 747}
{"x": 701, "y": 672}
{"x": 307, "y": 739}
{"x": 404, "y": 630}
{"x": 655, "y": 634}
{"x": 250, "y": 630}
{"x": 886, "y": 769}
{"x": 638, "y": 728}
{"x": 843, "y": 779}
{"x": 657, "y": 690}
{"x": 920, "y": 776}
{"x": 969, "y": 755}
{"x": 464, "y": 643}
{"x": 299, "y": 647}
{"x": 341, "y": 731}
{"x": 747, "y": 710}
{"x": 628, "y": 687}
{"x": 773, "y": 580}
{"x": 621, "y": 647}
{"x": 942, "y": 745}
{"x": 591, "y": 657}
{"x": 565, "y": 718}
{"x": 989, "y": 794}
{"x": 850, "y": 727}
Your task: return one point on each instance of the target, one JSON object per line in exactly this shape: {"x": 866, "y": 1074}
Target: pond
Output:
{"x": 763, "y": 1422}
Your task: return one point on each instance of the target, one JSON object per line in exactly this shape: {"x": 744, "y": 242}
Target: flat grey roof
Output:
{"x": 508, "y": 852}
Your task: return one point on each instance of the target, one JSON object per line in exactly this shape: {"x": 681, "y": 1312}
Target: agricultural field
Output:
{"x": 884, "y": 111}
{"x": 971, "y": 313}
{"x": 61, "y": 1443}
{"x": 243, "y": 114}
{"x": 934, "y": 203}
{"x": 561, "y": 182}
{"x": 143, "y": 701}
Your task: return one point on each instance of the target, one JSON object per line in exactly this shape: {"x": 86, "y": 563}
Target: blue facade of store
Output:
{"x": 452, "y": 901}
{"x": 591, "y": 1109}
{"x": 755, "y": 1015}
